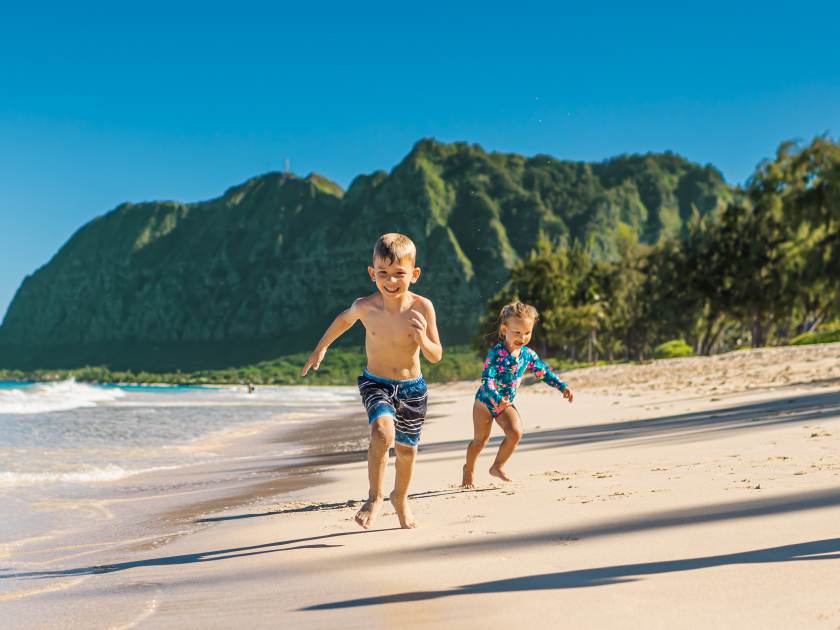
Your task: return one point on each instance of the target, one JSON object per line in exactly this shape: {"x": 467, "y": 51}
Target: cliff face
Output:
{"x": 262, "y": 270}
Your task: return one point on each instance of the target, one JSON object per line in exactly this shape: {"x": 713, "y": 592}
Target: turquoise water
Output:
{"x": 15, "y": 384}
{"x": 68, "y": 432}
{"x": 132, "y": 388}
{"x": 158, "y": 388}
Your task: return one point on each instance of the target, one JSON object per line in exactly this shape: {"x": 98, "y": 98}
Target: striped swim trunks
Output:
{"x": 405, "y": 401}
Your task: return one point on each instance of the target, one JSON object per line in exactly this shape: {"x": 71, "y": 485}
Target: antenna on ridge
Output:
{"x": 286, "y": 171}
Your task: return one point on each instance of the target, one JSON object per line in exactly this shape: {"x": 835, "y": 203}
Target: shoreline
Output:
{"x": 148, "y": 510}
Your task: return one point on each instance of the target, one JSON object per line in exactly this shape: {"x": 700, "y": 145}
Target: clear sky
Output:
{"x": 108, "y": 102}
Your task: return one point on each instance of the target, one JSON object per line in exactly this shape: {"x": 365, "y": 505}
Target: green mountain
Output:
{"x": 261, "y": 270}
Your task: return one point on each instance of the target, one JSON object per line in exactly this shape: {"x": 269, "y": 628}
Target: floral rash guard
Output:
{"x": 503, "y": 373}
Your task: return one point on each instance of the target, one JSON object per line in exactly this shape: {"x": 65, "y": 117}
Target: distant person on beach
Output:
{"x": 399, "y": 325}
{"x": 503, "y": 371}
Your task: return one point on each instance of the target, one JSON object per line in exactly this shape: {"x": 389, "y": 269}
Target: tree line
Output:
{"x": 764, "y": 269}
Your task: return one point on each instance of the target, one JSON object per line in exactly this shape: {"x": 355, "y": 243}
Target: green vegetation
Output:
{"x": 620, "y": 257}
{"x": 261, "y": 271}
{"x": 673, "y": 349}
{"x": 826, "y": 334}
{"x": 340, "y": 367}
{"x": 764, "y": 269}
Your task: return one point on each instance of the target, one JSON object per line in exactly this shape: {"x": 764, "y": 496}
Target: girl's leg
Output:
{"x": 512, "y": 426}
{"x": 482, "y": 423}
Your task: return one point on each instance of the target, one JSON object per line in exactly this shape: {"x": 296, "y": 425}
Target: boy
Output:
{"x": 398, "y": 325}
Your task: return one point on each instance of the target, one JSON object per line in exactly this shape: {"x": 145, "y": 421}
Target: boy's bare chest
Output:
{"x": 385, "y": 327}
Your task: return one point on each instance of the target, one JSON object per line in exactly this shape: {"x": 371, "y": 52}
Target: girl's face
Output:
{"x": 516, "y": 332}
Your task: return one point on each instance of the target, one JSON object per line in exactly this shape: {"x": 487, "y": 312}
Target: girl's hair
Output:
{"x": 516, "y": 309}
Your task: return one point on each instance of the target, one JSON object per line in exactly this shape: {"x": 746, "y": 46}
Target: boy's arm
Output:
{"x": 340, "y": 325}
{"x": 426, "y": 332}
{"x": 544, "y": 373}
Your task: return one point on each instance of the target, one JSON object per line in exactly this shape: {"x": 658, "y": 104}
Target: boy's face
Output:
{"x": 393, "y": 278}
{"x": 517, "y": 332}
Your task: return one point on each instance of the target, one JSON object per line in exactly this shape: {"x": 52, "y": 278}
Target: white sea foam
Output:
{"x": 85, "y": 475}
{"x": 46, "y": 397}
{"x": 310, "y": 398}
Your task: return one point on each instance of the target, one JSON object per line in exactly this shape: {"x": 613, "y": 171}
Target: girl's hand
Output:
{"x": 418, "y": 325}
{"x": 314, "y": 360}
{"x": 567, "y": 394}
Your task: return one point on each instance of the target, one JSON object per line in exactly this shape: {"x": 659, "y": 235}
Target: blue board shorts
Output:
{"x": 405, "y": 401}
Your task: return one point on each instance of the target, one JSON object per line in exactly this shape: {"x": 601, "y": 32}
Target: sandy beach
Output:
{"x": 689, "y": 493}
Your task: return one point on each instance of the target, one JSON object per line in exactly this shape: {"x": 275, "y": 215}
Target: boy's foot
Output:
{"x": 467, "y": 480}
{"x": 498, "y": 472}
{"x": 403, "y": 512}
{"x": 367, "y": 515}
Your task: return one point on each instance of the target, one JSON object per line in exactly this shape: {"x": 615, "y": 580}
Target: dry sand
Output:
{"x": 691, "y": 493}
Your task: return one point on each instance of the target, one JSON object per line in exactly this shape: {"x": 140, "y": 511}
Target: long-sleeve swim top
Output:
{"x": 503, "y": 373}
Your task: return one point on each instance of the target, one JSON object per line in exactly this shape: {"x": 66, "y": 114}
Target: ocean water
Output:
{"x": 72, "y": 455}
{"x": 70, "y": 432}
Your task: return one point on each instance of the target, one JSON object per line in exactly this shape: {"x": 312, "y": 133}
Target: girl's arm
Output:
{"x": 340, "y": 325}
{"x": 488, "y": 379}
{"x": 543, "y": 372}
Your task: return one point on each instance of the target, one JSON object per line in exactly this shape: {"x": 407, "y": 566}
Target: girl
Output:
{"x": 503, "y": 370}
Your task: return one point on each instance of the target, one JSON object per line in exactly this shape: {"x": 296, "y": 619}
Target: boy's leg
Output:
{"x": 482, "y": 423}
{"x": 381, "y": 440}
{"x": 512, "y": 425}
{"x": 399, "y": 497}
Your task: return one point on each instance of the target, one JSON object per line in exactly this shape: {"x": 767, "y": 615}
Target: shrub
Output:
{"x": 672, "y": 349}
{"x": 825, "y": 336}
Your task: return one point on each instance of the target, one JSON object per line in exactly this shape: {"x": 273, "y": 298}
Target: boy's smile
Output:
{"x": 393, "y": 278}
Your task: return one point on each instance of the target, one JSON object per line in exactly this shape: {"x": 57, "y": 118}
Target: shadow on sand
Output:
{"x": 817, "y": 550}
{"x": 190, "y": 558}
{"x": 683, "y": 427}
{"x": 351, "y": 503}
{"x": 651, "y": 521}
{"x": 716, "y": 512}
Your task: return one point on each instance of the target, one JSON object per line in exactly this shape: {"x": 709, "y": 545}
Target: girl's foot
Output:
{"x": 467, "y": 480}
{"x": 403, "y": 511}
{"x": 498, "y": 472}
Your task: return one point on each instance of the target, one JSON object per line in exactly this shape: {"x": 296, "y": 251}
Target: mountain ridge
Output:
{"x": 261, "y": 269}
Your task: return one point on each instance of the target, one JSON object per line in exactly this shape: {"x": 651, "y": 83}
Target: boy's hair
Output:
{"x": 394, "y": 247}
{"x": 516, "y": 309}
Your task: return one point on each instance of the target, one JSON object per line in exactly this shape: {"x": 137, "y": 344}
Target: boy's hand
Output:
{"x": 567, "y": 394}
{"x": 314, "y": 360}
{"x": 418, "y": 325}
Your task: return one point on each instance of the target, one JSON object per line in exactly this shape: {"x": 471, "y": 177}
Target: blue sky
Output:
{"x": 101, "y": 103}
